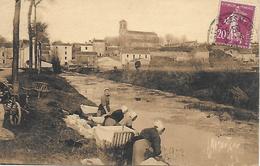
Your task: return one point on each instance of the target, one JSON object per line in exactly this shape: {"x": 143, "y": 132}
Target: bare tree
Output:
{"x": 30, "y": 33}
{"x": 16, "y": 23}
{"x": 33, "y": 3}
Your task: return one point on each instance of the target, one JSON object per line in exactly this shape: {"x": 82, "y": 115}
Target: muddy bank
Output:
{"x": 42, "y": 137}
{"x": 239, "y": 89}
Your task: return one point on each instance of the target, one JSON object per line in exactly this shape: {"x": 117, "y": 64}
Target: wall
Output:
{"x": 89, "y": 60}
{"x": 24, "y": 57}
{"x": 64, "y": 52}
{"x": 131, "y": 57}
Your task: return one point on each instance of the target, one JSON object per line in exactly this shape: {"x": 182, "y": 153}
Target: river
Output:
{"x": 192, "y": 138}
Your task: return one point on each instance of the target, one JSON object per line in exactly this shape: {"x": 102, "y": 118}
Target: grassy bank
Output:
{"x": 239, "y": 89}
{"x": 43, "y": 137}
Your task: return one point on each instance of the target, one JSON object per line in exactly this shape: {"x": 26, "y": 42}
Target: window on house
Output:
{"x": 65, "y": 52}
{"x": 127, "y": 55}
{"x": 145, "y": 56}
{"x": 66, "y": 63}
{"x": 3, "y": 61}
{"x": 65, "y": 47}
{"x": 65, "y": 58}
{"x": 3, "y": 54}
{"x": 133, "y": 56}
{"x": 86, "y": 48}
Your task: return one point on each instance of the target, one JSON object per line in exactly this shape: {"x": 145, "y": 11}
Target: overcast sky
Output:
{"x": 82, "y": 20}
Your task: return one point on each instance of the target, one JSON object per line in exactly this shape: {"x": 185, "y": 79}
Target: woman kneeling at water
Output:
{"x": 120, "y": 117}
{"x": 148, "y": 143}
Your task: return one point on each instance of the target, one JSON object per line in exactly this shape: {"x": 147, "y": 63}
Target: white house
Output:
{"x": 130, "y": 57}
{"x": 87, "y": 47}
{"x": 64, "y": 53}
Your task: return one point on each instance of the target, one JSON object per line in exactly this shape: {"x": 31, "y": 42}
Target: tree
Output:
{"x": 171, "y": 39}
{"x": 42, "y": 34}
{"x": 30, "y": 34}
{"x": 16, "y": 23}
{"x": 3, "y": 39}
{"x": 56, "y": 64}
{"x": 33, "y": 3}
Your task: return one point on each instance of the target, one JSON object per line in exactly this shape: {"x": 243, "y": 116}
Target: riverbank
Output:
{"x": 43, "y": 137}
{"x": 237, "y": 89}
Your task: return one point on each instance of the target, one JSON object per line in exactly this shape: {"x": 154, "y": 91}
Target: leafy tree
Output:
{"x": 56, "y": 64}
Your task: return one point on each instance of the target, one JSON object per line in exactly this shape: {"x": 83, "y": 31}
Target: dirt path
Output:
{"x": 192, "y": 137}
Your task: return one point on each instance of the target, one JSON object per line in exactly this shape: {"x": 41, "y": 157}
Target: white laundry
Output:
{"x": 104, "y": 134}
{"x": 152, "y": 161}
{"x": 92, "y": 161}
{"x": 88, "y": 109}
{"x": 80, "y": 125}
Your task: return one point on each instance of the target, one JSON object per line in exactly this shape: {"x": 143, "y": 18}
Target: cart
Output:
{"x": 14, "y": 105}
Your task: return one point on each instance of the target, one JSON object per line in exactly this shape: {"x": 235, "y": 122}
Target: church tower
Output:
{"x": 122, "y": 27}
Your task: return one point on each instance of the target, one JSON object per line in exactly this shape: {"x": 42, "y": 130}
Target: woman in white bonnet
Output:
{"x": 148, "y": 143}
{"x": 129, "y": 118}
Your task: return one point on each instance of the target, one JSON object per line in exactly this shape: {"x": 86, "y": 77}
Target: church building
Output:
{"x": 136, "y": 39}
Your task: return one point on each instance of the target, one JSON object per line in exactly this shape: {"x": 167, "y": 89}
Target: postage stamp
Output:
{"x": 235, "y": 24}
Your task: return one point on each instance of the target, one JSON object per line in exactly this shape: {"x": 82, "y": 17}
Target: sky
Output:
{"x": 83, "y": 20}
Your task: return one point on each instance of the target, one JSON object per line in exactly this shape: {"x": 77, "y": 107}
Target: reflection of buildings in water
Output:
{"x": 136, "y": 39}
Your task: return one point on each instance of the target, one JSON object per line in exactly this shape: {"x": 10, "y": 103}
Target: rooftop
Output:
{"x": 140, "y": 32}
{"x": 86, "y": 53}
{"x": 135, "y": 52}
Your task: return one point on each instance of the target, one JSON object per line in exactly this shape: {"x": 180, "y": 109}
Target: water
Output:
{"x": 190, "y": 137}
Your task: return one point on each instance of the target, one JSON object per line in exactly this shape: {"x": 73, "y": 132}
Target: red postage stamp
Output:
{"x": 235, "y": 24}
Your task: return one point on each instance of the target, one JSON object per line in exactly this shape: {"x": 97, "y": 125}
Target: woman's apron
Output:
{"x": 140, "y": 149}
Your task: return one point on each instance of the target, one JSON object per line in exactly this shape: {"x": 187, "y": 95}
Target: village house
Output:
{"x": 99, "y": 46}
{"x": 63, "y": 52}
{"x": 88, "y": 59}
{"x": 136, "y": 39}
{"x": 88, "y": 47}
{"x": 112, "y": 51}
{"x": 130, "y": 57}
{"x": 84, "y": 54}
{"x": 6, "y": 54}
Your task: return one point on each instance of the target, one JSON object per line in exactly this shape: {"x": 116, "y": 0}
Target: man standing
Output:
{"x": 104, "y": 107}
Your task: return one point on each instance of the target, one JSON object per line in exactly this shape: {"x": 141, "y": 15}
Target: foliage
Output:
{"x": 56, "y": 64}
